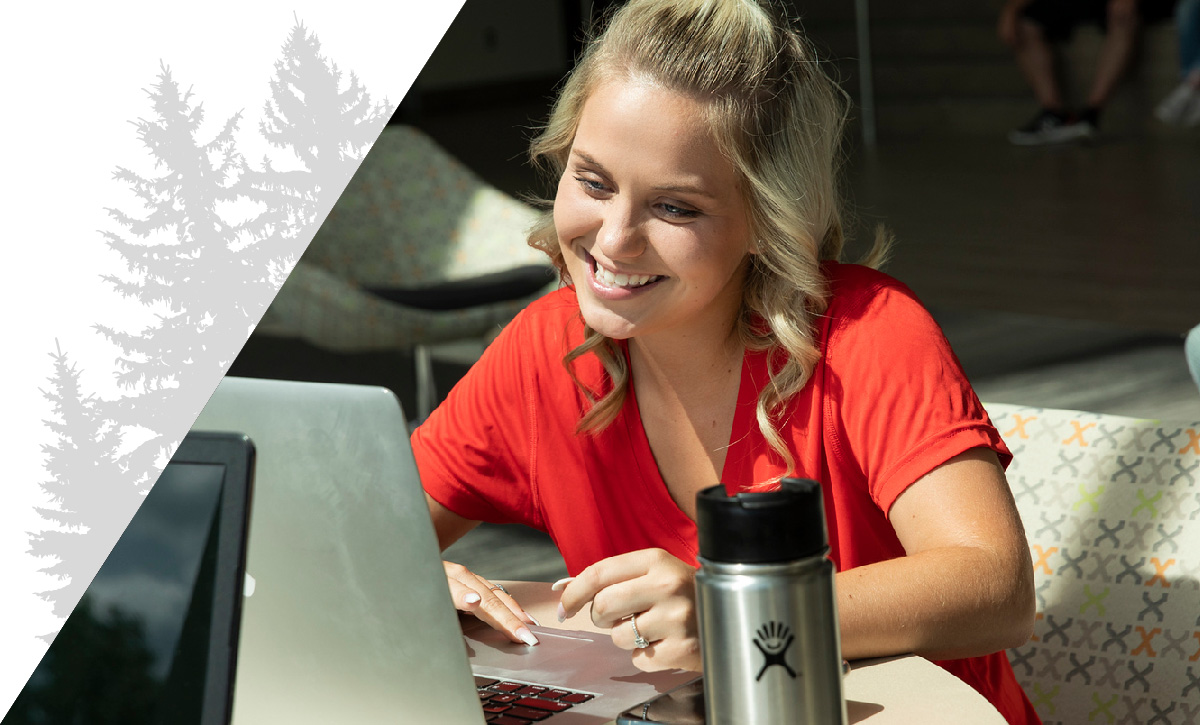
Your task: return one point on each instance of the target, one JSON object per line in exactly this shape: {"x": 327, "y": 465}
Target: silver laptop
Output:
{"x": 347, "y": 616}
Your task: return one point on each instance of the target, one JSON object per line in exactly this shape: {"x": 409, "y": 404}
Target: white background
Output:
{"x": 75, "y": 76}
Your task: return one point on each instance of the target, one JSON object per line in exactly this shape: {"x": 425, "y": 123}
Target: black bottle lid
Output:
{"x": 762, "y": 528}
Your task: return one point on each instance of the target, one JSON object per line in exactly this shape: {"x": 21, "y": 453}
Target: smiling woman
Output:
{"x": 650, "y": 219}
{"x": 708, "y": 334}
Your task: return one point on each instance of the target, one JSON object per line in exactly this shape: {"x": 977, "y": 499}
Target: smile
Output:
{"x": 624, "y": 281}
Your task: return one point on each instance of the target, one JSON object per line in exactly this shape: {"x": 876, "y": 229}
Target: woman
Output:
{"x": 707, "y": 335}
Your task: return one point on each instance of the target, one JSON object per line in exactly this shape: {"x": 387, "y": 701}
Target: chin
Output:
{"x": 606, "y": 322}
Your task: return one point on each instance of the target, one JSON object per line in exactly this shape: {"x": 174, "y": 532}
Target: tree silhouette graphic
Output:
{"x": 208, "y": 242}
{"x": 326, "y": 120}
{"x": 190, "y": 259}
{"x": 85, "y": 483}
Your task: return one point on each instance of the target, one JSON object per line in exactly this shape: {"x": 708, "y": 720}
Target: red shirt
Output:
{"x": 887, "y": 403}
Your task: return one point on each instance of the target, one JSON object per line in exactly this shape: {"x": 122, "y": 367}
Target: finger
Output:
{"x": 510, "y": 601}
{"x": 472, "y": 595}
{"x": 666, "y": 655}
{"x": 625, "y": 636}
{"x": 598, "y": 576}
{"x": 615, "y": 603}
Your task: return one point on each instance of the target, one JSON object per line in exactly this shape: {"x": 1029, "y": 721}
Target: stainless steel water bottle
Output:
{"x": 765, "y": 601}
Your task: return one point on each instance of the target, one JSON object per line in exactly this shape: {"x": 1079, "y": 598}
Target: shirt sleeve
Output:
{"x": 473, "y": 452}
{"x": 899, "y": 404}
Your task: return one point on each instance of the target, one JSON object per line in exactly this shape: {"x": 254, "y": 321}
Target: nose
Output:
{"x": 620, "y": 235}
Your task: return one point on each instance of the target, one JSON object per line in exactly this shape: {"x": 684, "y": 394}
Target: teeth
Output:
{"x": 610, "y": 279}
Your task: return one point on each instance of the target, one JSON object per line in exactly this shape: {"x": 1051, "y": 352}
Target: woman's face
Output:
{"x": 650, "y": 216}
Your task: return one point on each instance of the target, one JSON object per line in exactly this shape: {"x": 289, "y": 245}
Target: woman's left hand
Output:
{"x": 656, "y": 587}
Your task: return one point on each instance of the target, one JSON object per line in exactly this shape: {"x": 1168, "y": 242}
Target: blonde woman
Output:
{"x": 706, "y": 334}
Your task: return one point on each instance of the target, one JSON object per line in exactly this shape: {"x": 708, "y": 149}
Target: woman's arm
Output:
{"x": 965, "y": 587}
{"x": 472, "y": 593}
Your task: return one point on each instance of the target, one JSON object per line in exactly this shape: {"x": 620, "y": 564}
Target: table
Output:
{"x": 906, "y": 690}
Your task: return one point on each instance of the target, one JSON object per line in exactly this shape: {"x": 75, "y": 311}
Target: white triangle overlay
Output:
{"x": 77, "y": 79}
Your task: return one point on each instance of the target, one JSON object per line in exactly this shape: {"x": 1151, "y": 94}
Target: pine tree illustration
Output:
{"x": 188, "y": 261}
{"x": 327, "y": 120}
{"x": 85, "y": 485}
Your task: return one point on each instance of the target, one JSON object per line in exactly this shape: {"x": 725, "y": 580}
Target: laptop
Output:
{"x": 154, "y": 638}
{"x": 350, "y": 618}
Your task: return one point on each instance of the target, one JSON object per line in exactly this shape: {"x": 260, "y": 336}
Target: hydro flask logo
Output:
{"x": 773, "y": 640}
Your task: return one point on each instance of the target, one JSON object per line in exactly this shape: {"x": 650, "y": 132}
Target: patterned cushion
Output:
{"x": 1111, "y": 508}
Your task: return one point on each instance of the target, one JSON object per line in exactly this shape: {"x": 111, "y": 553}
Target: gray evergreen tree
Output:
{"x": 326, "y": 122}
{"x": 186, "y": 259}
{"x": 197, "y": 267}
{"x": 86, "y": 484}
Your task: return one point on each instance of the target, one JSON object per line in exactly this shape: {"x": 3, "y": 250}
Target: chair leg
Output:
{"x": 426, "y": 392}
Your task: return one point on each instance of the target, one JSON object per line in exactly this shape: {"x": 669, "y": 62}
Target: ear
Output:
{"x": 752, "y": 248}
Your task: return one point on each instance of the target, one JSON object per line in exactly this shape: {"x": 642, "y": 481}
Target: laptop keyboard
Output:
{"x": 518, "y": 703}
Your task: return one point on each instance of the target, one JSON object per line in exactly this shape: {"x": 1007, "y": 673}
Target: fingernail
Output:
{"x": 471, "y": 598}
{"x": 526, "y": 636}
{"x": 562, "y": 613}
{"x": 532, "y": 620}
{"x": 558, "y": 585}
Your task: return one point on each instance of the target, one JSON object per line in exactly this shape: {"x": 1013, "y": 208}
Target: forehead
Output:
{"x": 643, "y": 126}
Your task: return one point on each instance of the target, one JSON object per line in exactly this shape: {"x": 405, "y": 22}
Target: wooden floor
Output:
{"x": 1063, "y": 277}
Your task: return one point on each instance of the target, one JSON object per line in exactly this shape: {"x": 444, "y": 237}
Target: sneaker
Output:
{"x": 1049, "y": 127}
{"x": 1179, "y": 104}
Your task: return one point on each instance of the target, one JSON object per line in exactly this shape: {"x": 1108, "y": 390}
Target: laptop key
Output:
{"x": 575, "y": 698}
{"x": 529, "y": 713}
{"x": 547, "y": 705}
{"x": 507, "y": 720}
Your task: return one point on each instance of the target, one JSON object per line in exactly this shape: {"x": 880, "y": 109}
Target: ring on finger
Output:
{"x": 638, "y": 640}
{"x": 494, "y": 587}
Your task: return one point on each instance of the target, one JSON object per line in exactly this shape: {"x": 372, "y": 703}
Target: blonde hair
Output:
{"x": 778, "y": 118}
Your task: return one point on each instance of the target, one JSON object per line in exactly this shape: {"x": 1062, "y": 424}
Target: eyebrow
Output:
{"x": 676, "y": 188}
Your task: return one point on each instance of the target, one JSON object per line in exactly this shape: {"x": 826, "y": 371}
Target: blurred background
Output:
{"x": 1064, "y": 276}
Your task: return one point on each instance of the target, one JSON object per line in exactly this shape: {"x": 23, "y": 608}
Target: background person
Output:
{"x": 1033, "y": 27}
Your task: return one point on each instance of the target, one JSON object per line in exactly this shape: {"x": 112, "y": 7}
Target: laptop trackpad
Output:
{"x": 564, "y": 658}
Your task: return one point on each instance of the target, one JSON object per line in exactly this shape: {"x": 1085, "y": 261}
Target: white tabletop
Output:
{"x": 891, "y": 691}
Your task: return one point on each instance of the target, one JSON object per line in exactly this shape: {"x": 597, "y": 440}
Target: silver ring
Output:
{"x": 638, "y": 640}
{"x": 494, "y": 587}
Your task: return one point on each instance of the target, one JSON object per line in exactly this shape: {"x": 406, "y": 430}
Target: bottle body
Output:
{"x": 770, "y": 643}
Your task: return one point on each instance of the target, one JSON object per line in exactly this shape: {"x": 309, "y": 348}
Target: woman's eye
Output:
{"x": 590, "y": 184}
{"x": 678, "y": 211}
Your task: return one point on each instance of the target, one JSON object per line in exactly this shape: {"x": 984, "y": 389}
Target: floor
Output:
{"x": 1063, "y": 277}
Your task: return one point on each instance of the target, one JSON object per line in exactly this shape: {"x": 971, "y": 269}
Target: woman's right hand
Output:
{"x": 488, "y": 602}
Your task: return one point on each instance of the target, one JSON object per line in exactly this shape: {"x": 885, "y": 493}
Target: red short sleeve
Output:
{"x": 472, "y": 452}
{"x": 898, "y": 402}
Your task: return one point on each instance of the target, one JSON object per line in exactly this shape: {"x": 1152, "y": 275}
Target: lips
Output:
{"x": 622, "y": 281}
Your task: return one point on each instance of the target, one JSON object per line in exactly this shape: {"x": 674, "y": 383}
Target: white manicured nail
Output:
{"x": 526, "y": 636}
{"x": 558, "y": 585}
{"x": 471, "y": 598}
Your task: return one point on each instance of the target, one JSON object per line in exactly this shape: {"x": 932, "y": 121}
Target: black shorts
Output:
{"x": 1059, "y": 18}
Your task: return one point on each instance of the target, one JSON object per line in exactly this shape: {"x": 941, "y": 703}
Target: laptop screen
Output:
{"x": 153, "y": 639}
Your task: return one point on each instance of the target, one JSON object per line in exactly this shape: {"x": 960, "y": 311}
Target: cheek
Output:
{"x": 573, "y": 215}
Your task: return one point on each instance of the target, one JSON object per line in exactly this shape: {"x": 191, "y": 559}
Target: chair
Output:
{"x": 1111, "y": 508}
{"x": 418, "y": 251}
